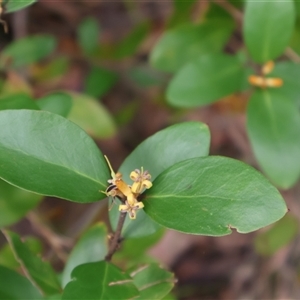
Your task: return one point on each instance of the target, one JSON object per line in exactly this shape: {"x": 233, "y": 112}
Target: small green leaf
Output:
{"x": 28, "y": 50}
{"x": 182, "y": 12}
{"x": 15, "y": 203}
{"x": 205, "y": 80}
{"x": 211, "y": 195}
{"x": 289, "y": 72}
{"x": 88, "y": 35}
{"x": 99, "y": 81}
{"x": 17, "y": 101}
{"x": 49, "y": 155}
{"x": 14, "y": 5}
{"x": 274, "y": 130}
{"x": 264, "y": 22}
{"x": 38, "y": 271}
{"x": 186, "y": 43}
{"x": 97, "y": 281}
{"x": 91, "y": 247}
{"x": 130, "y": 43}
{"x": 15, "y": 286}
{"x": 279, "y": 235}
{"x": 91, "y": 116}
{"x": 152, "y": 281}
{"x": 59, "y": 103}
{"x": 156, "y": 154}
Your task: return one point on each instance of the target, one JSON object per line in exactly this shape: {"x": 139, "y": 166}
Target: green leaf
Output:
{"x": 264, "y": 22}
{"x": 289, "y": 72}
{"x": 152, "y": 281}
{"x": 15, "y": 286}
{"x": 211, "y": 195}
{"x": 205, "y": 80}
{"x": 28, "y": 50}
{"x": 99, "y": 81}
{"x": 17, "y": 101}
{"x": 91, "y": 247}
{"x": 91, "y": 116}
{"x": 145, "y": 76}
{"x": 15, "y": 203}
{"x": 38, "y": 271}
{"x": 295, "y": 39}
{"x": 279, "y": 235}
{"x": 274, "y": 130}
{"x": 14, "y": 5}
{"x": 156, "y": 154}
{"x": 59, "y": 103}
{"x": 130, "y": 43}
{"x": 182, "y": 12}
{"x": 186, "y": 43}
{"x": 47, "y": 154}
{"x": 100, "y": 280}
{"x": 88, "y": 35}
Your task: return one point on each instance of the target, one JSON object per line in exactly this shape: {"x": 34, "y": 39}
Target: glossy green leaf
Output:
{"x": 15, "y": 203}
{"x": 38, "y": 271}
{"x": 28, "y": 50}
{"x": 205, "y": 80}
{"x": 152, "y": 281}
{"x": 59, "y": 103}
{"x": 156, "y": 154}
{"x": 99, "y": 81}
{"x": 211, "y": 195}
{"x": 264, "y": 23}
{"x": 91, "y": 247}
{"x": 92, "y": 116}
{"x": 14, "y": 5}
{"x": 47, "y": 154}
{"x": 17, "y": 101}
{"x": 100, "y": 280}
{"x": 88, "y": 35}
{"x": 279, "y": 235}
{"x": 130, "y": 43}
{"x": 16, "y": 287}
{"x": 188, "y": 42}
{"x": 274, "y": 130}
{"x": 289, "y": 72}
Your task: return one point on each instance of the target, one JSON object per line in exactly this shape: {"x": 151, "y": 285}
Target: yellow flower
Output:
{"x": 131, "y": 208}
{"x": 141, "y": 180}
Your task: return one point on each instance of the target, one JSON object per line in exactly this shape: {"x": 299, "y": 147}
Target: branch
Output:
{"x": 114, "y": 244}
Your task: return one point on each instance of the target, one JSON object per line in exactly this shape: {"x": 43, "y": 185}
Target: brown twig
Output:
{"x": 113, "y": 246}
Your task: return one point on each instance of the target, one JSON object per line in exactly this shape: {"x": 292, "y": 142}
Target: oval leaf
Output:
{"x": 274, "y": 130}
{"x": 152, "y": 281}
{"x": 264, "y": 23}
{"x": 205, "y": 80}
{"x": 38, "y": 271}
{"x": 98, "y": 281}
{"x": 88, "y": 35}
{"x": 91, "y": 247}
{"x": 187, "y": 42}
{"x": 156, "y": 154}
{"x": 28, "y": 50}
{"x": 91, "y": 116}
{"x": 15, "y": 203}
{"x": 15, "y": 286}
{"x": 49, "y": 155}
{"x": 211, "y": 195}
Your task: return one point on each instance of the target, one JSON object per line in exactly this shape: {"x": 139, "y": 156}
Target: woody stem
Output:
{"x": 116, "y": 237}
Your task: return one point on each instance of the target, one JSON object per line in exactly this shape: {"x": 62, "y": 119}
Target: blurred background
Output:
{"x": 111, "y": 42}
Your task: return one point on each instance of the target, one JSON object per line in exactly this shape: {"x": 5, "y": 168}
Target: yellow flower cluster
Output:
{"x": 128, "y": 194}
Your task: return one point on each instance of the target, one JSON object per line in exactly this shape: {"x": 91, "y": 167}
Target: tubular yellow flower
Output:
{"x": 141, "y": 180}
{"x": 131, "y": 208}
